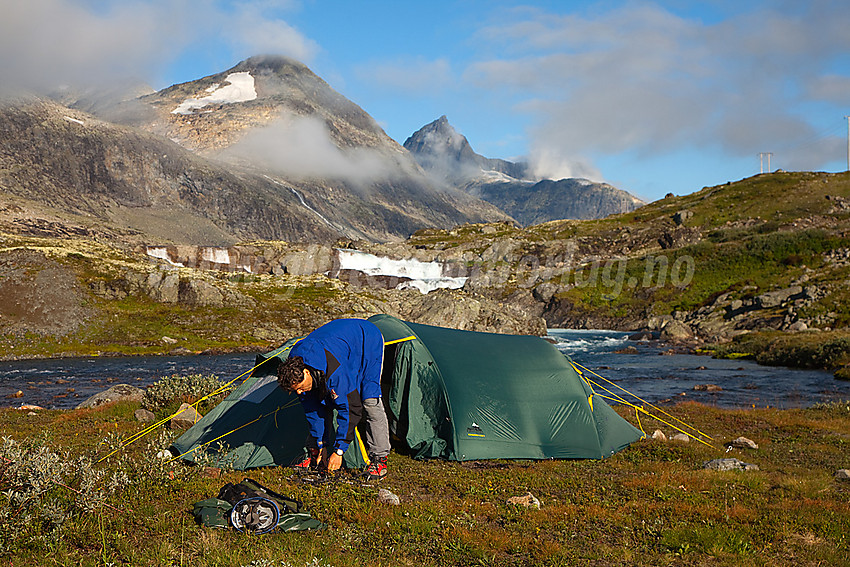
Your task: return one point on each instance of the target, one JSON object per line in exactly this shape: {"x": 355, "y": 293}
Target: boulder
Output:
{"x": 729, "y": 465}
{"x": 118, "y": 392}
{"x": 627, "y": 350}
{"x": 707, "y": 387}
{"x": 387, "y": 497}
{"x": 743, "y": 443}
{"x": 842, "y": 474}
{"x": 185, "y": 417}
{"x": 200, "y": 293}
{"x": 527, "y": 500}
{"x": 776, "y": 298}
{"x": 144, "y": 415}
{"x": 681, "y": 216}
{"x": 658, "y": 435}
{"x": 676, "y": 331}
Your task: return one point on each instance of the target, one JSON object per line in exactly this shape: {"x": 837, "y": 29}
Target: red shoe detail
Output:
{"x": 377, "y": 469}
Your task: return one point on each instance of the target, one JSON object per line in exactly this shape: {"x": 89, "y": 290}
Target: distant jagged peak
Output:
{"x": 439, "y": 138}
{"x": 447, "y": 155}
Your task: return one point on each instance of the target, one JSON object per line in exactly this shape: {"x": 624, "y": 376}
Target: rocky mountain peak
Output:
{"x": 447, "y": 155}
{"x": 271, "y": 63}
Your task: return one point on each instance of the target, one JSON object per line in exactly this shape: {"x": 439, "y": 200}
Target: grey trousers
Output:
{"x": 376, "y": 427}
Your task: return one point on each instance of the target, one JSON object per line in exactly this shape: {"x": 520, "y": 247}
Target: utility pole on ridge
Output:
{"x": 761, "y": 161}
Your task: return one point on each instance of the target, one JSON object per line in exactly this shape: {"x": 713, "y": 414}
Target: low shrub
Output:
{"x": 41, "y": 490}
{"x": 176, "y": 389}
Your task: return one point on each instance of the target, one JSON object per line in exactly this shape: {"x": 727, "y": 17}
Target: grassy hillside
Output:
{"x": 651, "y": 504}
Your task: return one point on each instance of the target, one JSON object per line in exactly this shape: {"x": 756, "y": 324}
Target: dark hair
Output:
{"x": 290, "y": 372}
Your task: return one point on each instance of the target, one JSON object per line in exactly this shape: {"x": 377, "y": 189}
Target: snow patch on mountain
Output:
{"x": 239, "y": 88}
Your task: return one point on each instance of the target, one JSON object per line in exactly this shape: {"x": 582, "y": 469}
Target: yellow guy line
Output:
{"x": 274, "y": 412}
{"x": 136, "y": 436}
{"x": 642, "y": 400}
{"x": 410, "y": 338}
{"x": 640, "y": 409}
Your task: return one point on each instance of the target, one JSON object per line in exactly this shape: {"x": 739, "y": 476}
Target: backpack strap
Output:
{"x": 287, "y": 504}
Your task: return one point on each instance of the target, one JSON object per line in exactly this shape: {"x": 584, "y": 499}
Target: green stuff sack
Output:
{"x": 213, "y": 513}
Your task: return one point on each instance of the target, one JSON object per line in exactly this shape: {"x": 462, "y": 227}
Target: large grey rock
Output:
{"x": 459, "y": 310}
{"x": 729, "y": 465}
{"x": 144, "y": 415}
{"x": 200, "y": 293}
{"x": 315, "y": 259}
{"x": 676, "y": 331}
{"x": 185, "y": 417}
{"x": 118, "y": 392}
{"x": 776, "y": 298}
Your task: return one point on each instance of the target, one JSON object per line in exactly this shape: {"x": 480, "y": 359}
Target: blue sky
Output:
{"x": 652, "y": 97}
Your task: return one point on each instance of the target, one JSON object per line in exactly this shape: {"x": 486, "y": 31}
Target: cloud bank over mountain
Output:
{"x": 51, "y": 43}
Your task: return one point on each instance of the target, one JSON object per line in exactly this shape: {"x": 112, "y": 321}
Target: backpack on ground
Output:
{"x": 250, "y": 506}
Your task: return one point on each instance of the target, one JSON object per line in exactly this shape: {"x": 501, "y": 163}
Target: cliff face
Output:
{"x": 448, "y": 158}
{"x": 67, "y": 162}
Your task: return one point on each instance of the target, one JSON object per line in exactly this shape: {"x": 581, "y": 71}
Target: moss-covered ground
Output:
{"x": 651, "y": 504}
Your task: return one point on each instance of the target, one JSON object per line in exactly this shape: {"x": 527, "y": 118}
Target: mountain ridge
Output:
{"x": 449, "y": 158}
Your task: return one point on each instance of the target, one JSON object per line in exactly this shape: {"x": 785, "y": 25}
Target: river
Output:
{"x": 650, "y": 374}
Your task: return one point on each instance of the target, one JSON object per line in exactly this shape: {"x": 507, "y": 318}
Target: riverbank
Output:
{"x": 651, "y": 504}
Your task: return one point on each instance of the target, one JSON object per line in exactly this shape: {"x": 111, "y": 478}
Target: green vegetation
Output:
{"x": 651, "y": 504}
{"x": 168, "y": 393}
{"x": 801, "y": 350}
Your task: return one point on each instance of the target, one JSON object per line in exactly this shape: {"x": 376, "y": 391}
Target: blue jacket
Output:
{"x": 350, "y": 353}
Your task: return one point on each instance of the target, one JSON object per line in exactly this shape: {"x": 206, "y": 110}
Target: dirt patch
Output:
{"x": 39, "y": 295}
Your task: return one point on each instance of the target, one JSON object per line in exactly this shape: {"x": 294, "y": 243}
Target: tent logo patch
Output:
{"x": 474, "y": 430}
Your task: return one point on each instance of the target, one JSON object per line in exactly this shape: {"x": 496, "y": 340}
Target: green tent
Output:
{"x": 453, "y": 394}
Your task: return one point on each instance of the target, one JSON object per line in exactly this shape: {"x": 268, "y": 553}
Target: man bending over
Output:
{"x": 338, "y": 366}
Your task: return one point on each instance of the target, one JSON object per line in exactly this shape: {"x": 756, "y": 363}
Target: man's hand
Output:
{"x": 315, "y": 457}
{"x": 334, "y": 462}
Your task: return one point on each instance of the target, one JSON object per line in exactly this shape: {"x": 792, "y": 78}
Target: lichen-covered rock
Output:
{"x": 729, "y": 465}
{"x": 118, "y": 392}
{"x": 185, "y": 417}
{"x": 387, "y": 497}
{"x": 743, "y": 443}
{"x": 527, "y": 500}
{"x": 144, "y": 415}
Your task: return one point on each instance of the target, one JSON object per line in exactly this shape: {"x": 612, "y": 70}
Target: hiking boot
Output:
{"x": 377, "y": 469}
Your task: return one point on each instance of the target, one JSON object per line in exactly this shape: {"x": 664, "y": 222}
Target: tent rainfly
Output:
{"x": 452, "y": 394}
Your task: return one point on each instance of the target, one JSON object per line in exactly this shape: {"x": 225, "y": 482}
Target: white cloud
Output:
{"x": 256, "y": 33}
{"x": 301, "y": 147}
{"x": 46, "y": 43}
{"x": 644, "y": 79}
